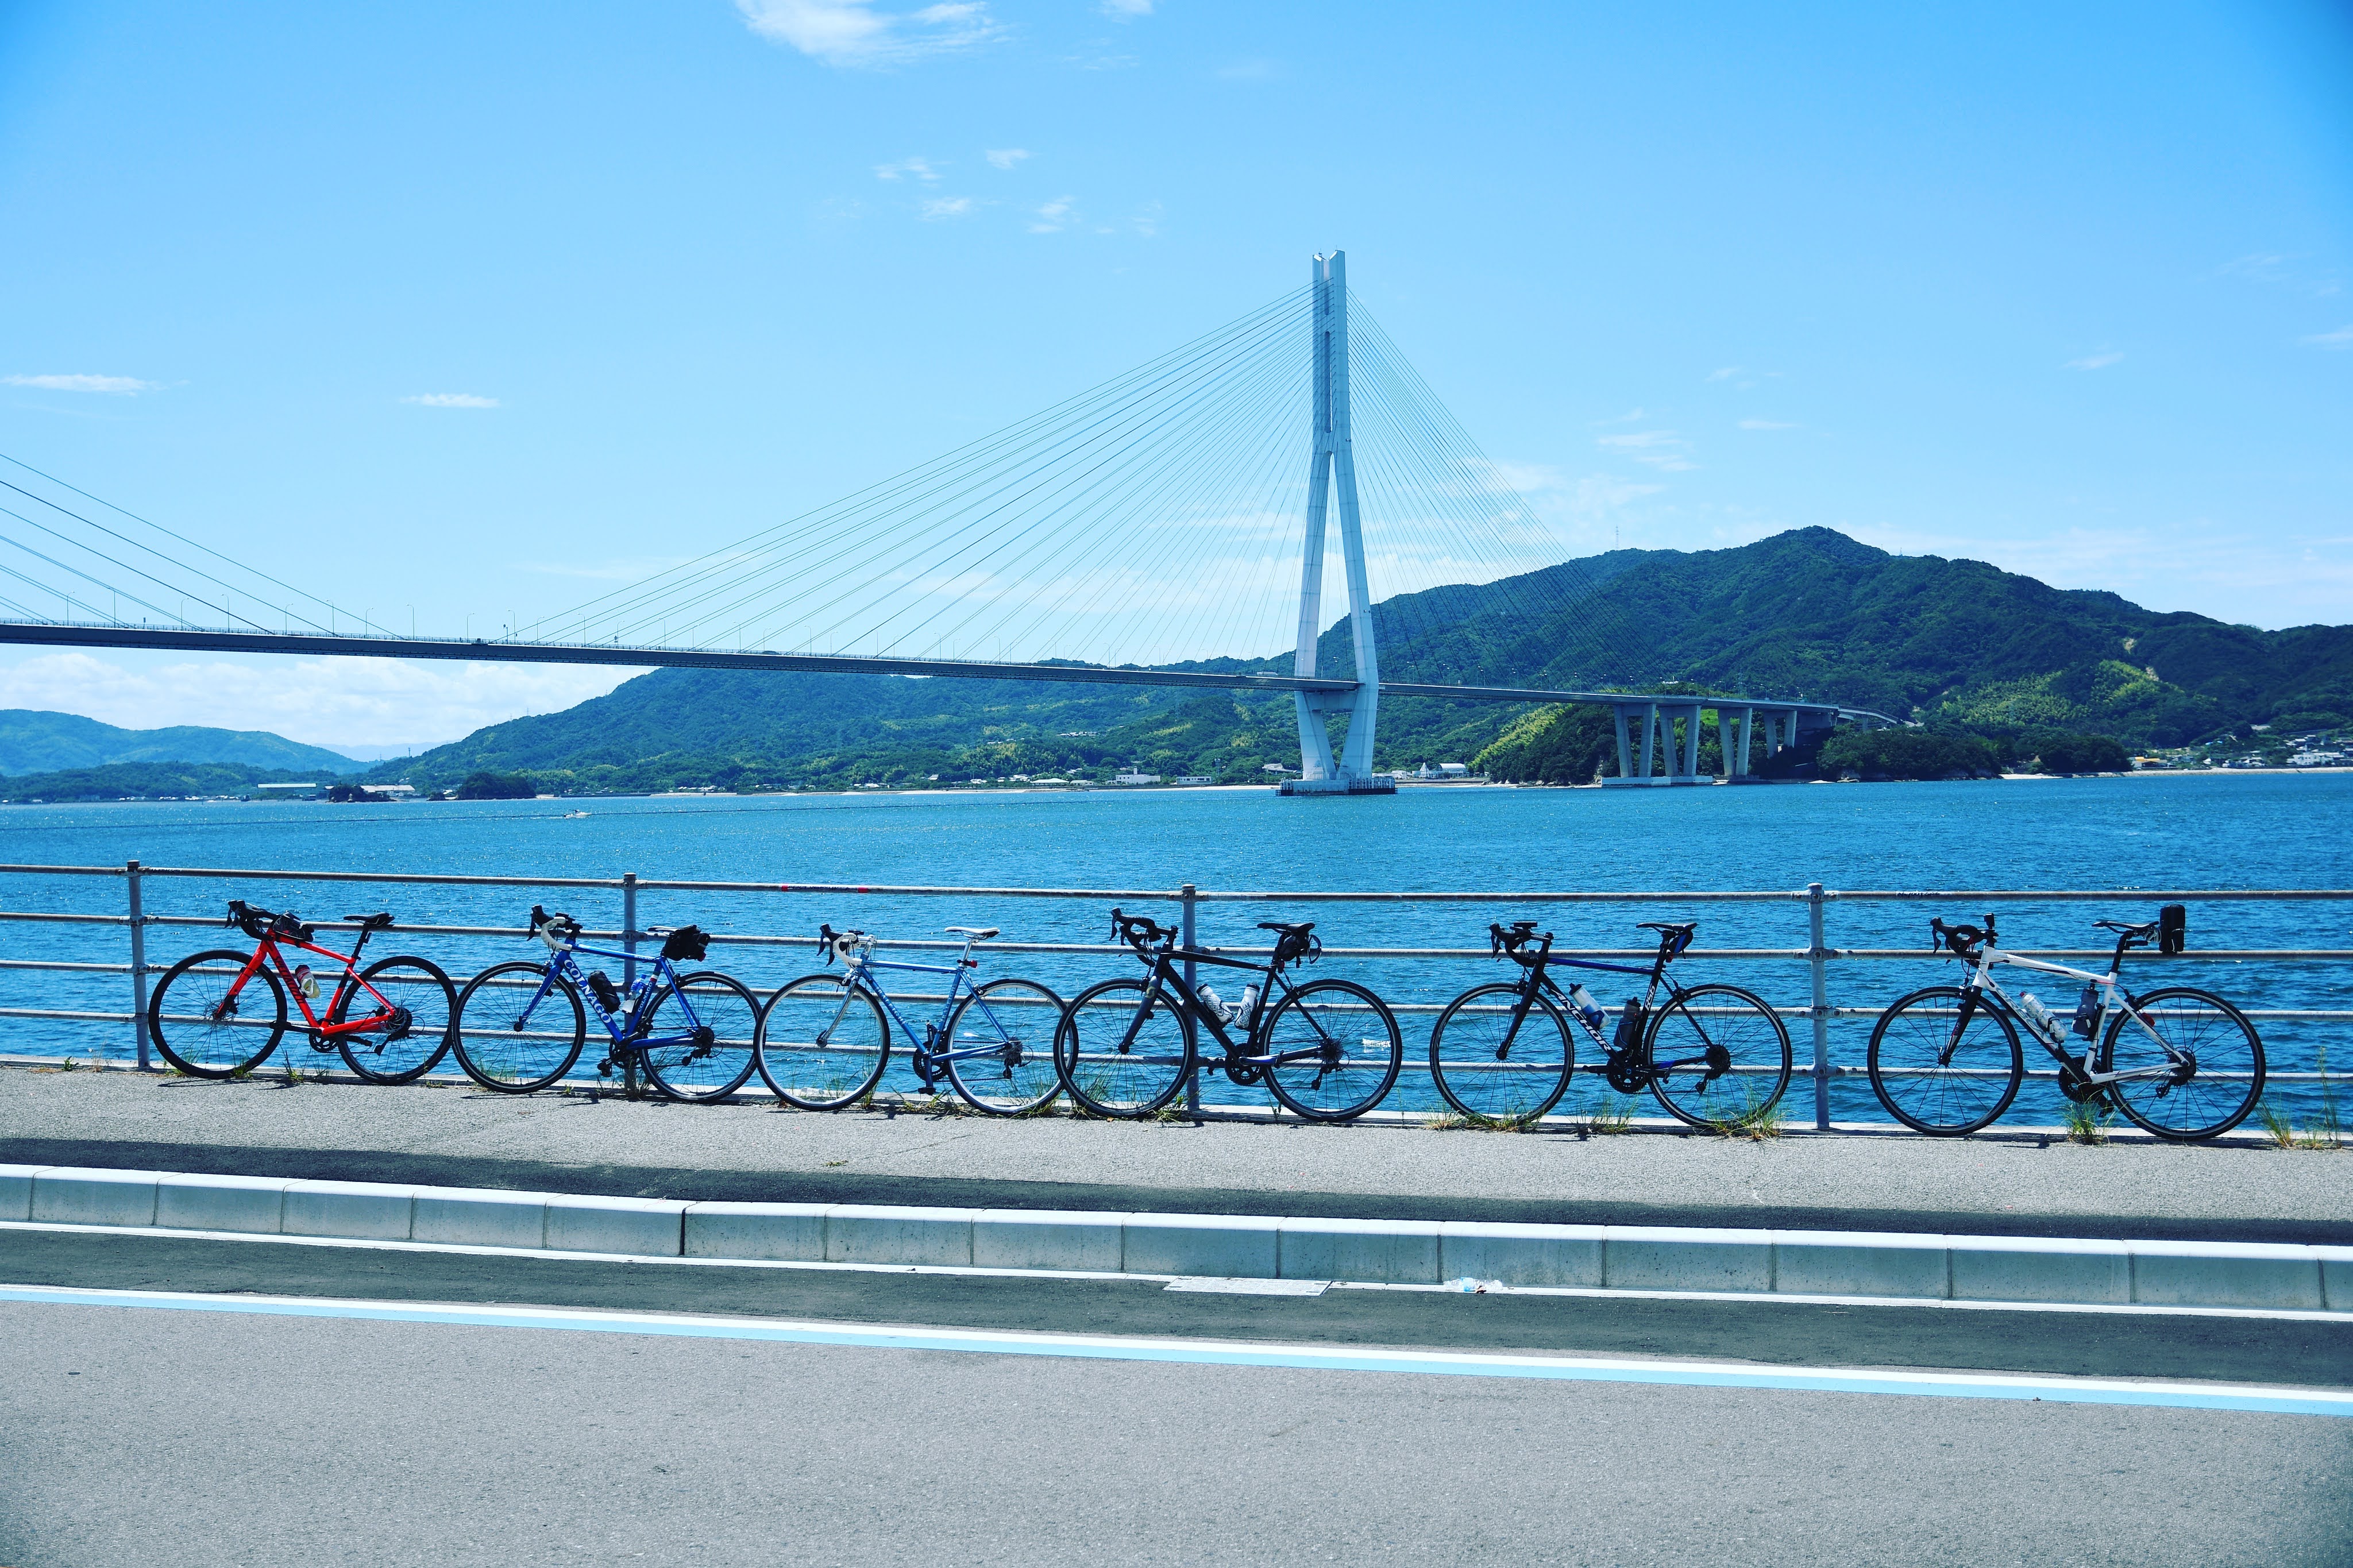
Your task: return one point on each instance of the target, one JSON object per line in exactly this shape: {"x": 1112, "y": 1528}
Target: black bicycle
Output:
{"x": 1126, "y": 1046}
{"x": 1503, "y": 1053}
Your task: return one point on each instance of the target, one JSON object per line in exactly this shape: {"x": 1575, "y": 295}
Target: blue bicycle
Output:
{"x": 521, "y": 1025}
{"x": 825, "y": 1038}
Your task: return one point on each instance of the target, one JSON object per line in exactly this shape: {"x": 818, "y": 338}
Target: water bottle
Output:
{"x": 1249, "y": 1000}
{"x": 1214, "y": 1002}
{"x": 2088, "y": 1011}
{"x": 1586, "y": 1008}
{"x": 2038, "y": 1018}
{"x": 305, "y": 982}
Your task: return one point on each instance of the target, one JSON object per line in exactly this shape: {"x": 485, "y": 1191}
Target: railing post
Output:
{"x": 1818, "y": 958}
{"x": 1185, "y": 935}
{"x": 629, "y": 929}
{"x": 138, "y": 963}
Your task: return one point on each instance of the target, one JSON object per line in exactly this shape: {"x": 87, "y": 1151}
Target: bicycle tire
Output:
{"x": 816, "y": 1053}
{"x": 490, "y": 1038}
{"x": 1733, "y": 1029}
{"x": 1017, "y": 1079}
{"x": 199, "y": 1042}
{"x": 695, "y": 1072}
{"x": 1483, "y": 1085}
{"x": 1338, "y": 1084}
{"x": 1105, "y": 1079}
{"x": 373, "y": 1054}
{"x": 2236, "y": 1045}
{"x": 1943, "y": 1097}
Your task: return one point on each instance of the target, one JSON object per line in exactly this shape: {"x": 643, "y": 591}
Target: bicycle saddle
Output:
{"x": 377, "y": 922}
{"x": 1287, "y": 928}
{"x": 978, "y": 933}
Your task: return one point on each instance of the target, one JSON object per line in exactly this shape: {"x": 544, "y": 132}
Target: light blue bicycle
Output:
{"x": 825, "y": 1038}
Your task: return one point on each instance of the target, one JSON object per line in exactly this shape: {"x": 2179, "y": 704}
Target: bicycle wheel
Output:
{"x": 722, "y": 1018}
{"x": 822, "y": 1046}
{"x": 1719, "y": 1057}
{"x": 511, "y": 1039}
{"x": 1332, "y": 1062}
{"x": 1934, "y": 1082}
{"x": 2204, "y": 1098}
{"x": 400, "y": 1049}
{"x": 1015, "y": 1022}
{"x": 201, "y": 1031}
{"x": 1506, "y": 1082}
{"x": 1114, "y": 1064}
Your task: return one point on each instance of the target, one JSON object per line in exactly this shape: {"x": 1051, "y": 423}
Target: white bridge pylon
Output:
{"x": 1332, "y": 471}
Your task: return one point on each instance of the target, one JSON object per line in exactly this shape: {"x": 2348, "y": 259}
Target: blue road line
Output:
{"x": 1215, "y": 1353}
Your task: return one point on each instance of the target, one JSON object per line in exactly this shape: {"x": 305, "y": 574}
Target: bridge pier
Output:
{"x": 1332, "y": 473}
{"x": 1657, "y": 718}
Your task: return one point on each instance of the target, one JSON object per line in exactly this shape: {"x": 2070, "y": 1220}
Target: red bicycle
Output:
{"x": 219, "y": 1014}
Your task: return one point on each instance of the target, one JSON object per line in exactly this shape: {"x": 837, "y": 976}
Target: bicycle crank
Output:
{"x": 2074, "y": 1082}
{"x": 1625, "y": 1074}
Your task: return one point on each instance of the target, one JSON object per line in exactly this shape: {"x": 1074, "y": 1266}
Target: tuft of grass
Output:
{"x": 2088, "y": 1121}
{"x": 2277, "y": 1127}
{"x": 2328, "y": 1135}
{"x": 1756, "y": 1122}
{"x": 71, "y": 1064}
{"x": 1459, "y": 1121}
{"x": 1615, "y": 1114}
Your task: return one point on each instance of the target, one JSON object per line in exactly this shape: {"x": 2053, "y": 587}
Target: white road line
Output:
{"x": 1215, "y": 1353}
{"x": 1757, "y": 1297}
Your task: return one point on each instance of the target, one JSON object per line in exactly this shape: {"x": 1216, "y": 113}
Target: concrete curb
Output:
{"x": 2249, "y": 1274}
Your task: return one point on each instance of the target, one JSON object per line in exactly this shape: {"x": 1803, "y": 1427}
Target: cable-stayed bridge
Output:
{"x": 1126, "y": 535}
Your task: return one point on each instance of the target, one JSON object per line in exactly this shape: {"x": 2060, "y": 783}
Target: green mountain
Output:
{"x": 32, "y": 741}
{"x": 1957, "y": 646}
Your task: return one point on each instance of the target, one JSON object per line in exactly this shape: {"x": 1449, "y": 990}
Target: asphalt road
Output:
{"x": 454, "y": 1137}
{"x": 205, "y": 1438}
{"x": 2239, "y": 1350}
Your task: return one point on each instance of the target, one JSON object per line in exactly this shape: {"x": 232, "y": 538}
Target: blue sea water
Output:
{"x": 2199, "y": 831}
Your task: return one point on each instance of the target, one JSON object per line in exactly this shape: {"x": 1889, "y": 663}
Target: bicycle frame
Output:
{"x": 1980, "y": 981}
{"x": 266, "y": 947}
{"x": 621, "y": 1027}
{"x": 1539, "y": 962}
{"x": 930, "y": 1052}
{"x": 1239, "y": 1064}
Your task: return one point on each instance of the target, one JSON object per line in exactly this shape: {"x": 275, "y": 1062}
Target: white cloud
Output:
{"x": 1055, "y": 215}
{"x": 947, "y": 208}
{"x": 1725, "y": 373}
{"x": 323, "y": 702}
{"x": 852, "y": 33}
{"x": 121, "y": 386}
{"x": 451, "y": 400}
{"x": 1767, "y": 424}
{"x": 1126, "y": 10}
{"x": 1662, "y": 449}
{"x": 910, "y": 168}
{"x": 2099, "y": 361}
{"x": 1005, "y": 157}
{"x": 2342, "y": 338}
{"x": 1146, "y": 221}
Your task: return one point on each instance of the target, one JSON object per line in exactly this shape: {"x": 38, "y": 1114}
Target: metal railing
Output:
{"x": 1820, "y": 959}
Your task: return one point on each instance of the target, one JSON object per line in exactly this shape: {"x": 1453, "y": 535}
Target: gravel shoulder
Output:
{"x": 453, "y": 1136}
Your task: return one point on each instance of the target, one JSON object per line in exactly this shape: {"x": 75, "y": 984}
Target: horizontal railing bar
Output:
{"x": 1879, "y": 895}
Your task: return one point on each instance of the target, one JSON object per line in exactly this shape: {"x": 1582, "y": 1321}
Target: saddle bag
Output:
{"x": 2172, "y": 929}
{"x": 687, "y": 942}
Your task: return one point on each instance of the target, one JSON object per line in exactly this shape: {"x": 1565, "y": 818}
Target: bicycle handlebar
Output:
{"x": 1140, "y": 931}
{"x": 1961, "y": 940}
{"x": 263, "y": 924}
{"x": 553, "y": 929}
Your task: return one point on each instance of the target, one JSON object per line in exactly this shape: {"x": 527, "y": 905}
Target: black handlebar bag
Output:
{"x": 689, "y": 943}
{"x": 2172, "y": 929}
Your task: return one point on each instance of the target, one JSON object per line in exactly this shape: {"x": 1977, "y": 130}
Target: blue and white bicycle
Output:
{"x": 825, "y": 1038}
{"x": 521, "y": 1025}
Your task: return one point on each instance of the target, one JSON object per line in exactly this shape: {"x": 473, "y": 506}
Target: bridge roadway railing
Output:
{"x": 2295, "y": 1037}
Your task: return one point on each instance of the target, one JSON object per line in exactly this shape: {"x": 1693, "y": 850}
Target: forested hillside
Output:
{"x": 1958, "y": 646}
{"x": 32, "y": 741}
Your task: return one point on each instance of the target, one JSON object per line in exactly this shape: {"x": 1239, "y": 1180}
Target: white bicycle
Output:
{"x": 2182, "y": 1063}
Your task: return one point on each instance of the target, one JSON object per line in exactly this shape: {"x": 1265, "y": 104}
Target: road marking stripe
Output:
{"x": 1213, "y": 1353}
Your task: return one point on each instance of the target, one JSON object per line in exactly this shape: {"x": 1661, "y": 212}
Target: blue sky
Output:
{"x": 482, "y": 310}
